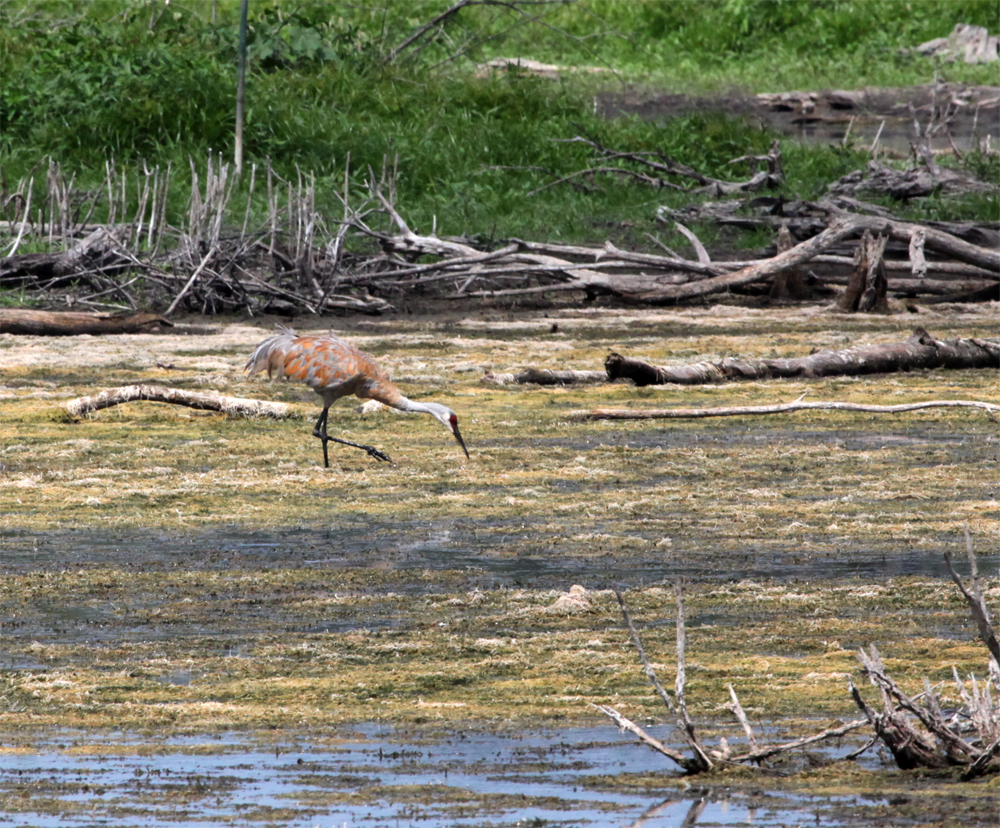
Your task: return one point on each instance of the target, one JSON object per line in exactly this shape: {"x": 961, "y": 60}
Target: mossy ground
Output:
{"x": 151, "y": 631}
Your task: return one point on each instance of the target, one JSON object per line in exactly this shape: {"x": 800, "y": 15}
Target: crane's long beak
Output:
{"x": 458, "y": 437}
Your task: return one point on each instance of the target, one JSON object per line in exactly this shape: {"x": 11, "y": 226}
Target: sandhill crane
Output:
{"x": 334, "y": 368}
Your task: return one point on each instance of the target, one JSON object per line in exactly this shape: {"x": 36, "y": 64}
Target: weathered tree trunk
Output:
{"x": 866, "y": 288}
{"x": 60, "y": 323}
{"x": 920, "y": 351}
{"x": 788, "y": 284}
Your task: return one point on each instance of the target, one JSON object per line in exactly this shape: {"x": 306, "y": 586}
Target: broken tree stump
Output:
{"x": 866, "y": 288}
{"x": 791, "y": 283}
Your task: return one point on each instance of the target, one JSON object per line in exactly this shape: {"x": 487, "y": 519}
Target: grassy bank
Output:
{"x": 146, "y": 84}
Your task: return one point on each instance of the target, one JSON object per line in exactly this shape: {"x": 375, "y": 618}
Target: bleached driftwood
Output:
{"x": 779, "y": 408}
{"x": 230, "y": 406}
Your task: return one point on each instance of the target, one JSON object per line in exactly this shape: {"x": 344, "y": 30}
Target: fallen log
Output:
{"x": 920, "y": 351}
{"x": 65, "y": 323}
{"x": 544, "y": 376}
{"x": 98, "y": 250}
{"x": 230, "y": 406}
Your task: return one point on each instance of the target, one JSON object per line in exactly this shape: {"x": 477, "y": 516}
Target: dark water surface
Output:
{"x": 544, "y": 559}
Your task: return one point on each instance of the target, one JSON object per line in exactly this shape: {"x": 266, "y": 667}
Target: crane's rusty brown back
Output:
{"x": 326, "y": 363}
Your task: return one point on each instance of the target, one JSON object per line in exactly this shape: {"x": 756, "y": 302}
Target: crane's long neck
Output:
{"x": 406, "y": 404}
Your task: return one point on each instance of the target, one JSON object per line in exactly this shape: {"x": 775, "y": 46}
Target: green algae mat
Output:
{"x": 176, "y": 572}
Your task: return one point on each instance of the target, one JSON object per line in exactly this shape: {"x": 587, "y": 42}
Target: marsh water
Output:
{"x": 380, "y": 776}
{"x": 376, "y": 774}
{"x": 201, "y": 625}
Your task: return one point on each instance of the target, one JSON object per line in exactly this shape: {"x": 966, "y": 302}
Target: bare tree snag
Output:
{"x": 910, "y": 748}
{"x": 920, "y": 352}
{"x": 968, "y": 737}
{"x": 701, "y": 761}
{"x": 231, "y": 406}
{"x": 788, "y": 284}
{"x": 975, "y": 600}
{"x": 60, "y": 323}
{"x": 866, "y": 288}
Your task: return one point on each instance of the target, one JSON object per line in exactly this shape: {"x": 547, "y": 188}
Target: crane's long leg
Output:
{"x": 320, "y": 432}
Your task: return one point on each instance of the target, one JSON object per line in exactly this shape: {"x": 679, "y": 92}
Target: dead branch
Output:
{"x": 681, "y": 680}
{"x": 758, "y": 754}
{"x": 975, "y": 600}
{"x": 700, "y": 761}
{"x": 231, "y": 406}
{"x": 654, "y": 167}
{"x": 627, "y": 724}
{"x": 650, "y": 673}
{"x": 780, "y": 408}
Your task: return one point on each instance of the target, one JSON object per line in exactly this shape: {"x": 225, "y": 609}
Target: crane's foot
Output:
{"x": 378, "y": 455}
{"x": 371, "y": 450}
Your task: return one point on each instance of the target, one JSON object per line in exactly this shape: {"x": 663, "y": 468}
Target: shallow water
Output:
{"x": 547, "y": 556}
{"x": 378, "y": 776}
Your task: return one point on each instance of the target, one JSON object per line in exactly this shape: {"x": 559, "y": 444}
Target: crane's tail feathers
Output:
{"x": 269, "y": 355}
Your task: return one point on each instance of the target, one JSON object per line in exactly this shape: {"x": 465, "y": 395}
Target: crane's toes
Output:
{"x": 378, "y": 455}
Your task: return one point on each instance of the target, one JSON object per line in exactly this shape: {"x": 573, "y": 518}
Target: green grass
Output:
{"x": 143, "y": 83}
